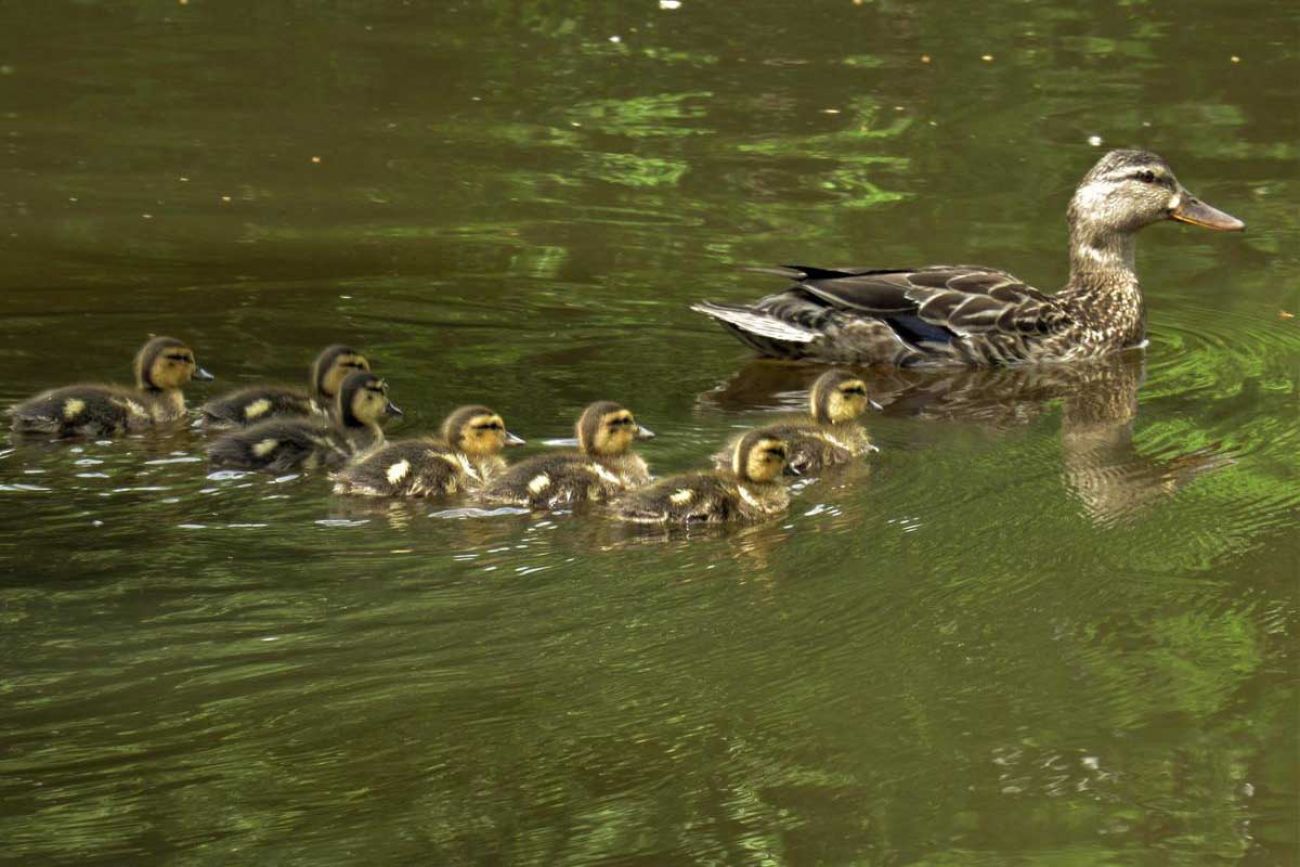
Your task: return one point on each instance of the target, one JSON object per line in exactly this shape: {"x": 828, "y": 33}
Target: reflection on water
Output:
{"x": 1053, "y": 620}
{"x": 1098, "y": 403}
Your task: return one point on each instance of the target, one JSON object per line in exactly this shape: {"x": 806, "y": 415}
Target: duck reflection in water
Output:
{"x": 1101, "y": 466}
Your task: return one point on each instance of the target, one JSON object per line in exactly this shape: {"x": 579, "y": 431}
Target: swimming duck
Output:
{"x": 256, "y": 403}
{"x": 283, "y": 445}
{"x": 163, "y": 366}
{"x": 467, "y": 455}
{"x": 830, "y": 435}
{"x": 603, "y": 466}
{"x": 750, "y": 490}
{"x": 967, "y": 314}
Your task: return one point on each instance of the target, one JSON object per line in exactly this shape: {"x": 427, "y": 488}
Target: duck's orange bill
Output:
{"x": 1193, "y": 210}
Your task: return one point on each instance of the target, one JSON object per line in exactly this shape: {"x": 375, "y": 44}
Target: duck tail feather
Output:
{"x": 752, "y": 322}
{"x": 812, "y": 272}
{"x": 789, "y": 272}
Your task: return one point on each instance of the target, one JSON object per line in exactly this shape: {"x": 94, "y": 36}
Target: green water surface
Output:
{"x": 1053, "y": 622}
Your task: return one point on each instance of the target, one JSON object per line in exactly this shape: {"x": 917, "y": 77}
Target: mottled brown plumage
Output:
{"x": 259, "y": 403}
{"x": 603, "y": 466}
{"x": 972, "y": 315}
{"x": 465, "y": 457}
{"x": 284, "y": 445}
{"x": 163, "y": 366}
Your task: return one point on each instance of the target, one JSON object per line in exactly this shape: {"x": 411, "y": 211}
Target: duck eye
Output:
{"x": 1146, "y": 176}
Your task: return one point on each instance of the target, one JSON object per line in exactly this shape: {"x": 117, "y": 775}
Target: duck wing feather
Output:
{"x": 960, "y": 299}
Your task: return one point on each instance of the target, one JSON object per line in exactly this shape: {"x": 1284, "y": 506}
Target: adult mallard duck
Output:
{"x": 163, "y": 366}
{"x": 967, "y": 314}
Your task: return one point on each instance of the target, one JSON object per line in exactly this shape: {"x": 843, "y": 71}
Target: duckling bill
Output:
{"x": 831, "y": 434}
{"x": 285, "y": 445}
{"x": 603, "y": 466}
{"x": 465, "y": 457}
{"x": 163, "y": 366}
{"x": 258, "y": 403}
{"x": 750, "y": 490}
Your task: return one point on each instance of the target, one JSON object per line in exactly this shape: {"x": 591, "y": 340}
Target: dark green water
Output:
{"x": 1053, "y": 623}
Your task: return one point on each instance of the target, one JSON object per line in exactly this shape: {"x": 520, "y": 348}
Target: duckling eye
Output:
{"x": 855, "y": 389}
{"x": 491, "y": 425}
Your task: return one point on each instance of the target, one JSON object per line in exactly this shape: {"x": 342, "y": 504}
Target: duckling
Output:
{"x": 257, "y": 403}
{"x": 465, "y": 457}
{"x": 283, "y": 445}
{"x": 603, "y": 466}
{"x": 163, "y": 366}
{"x": 750, "y": 490}
{"x": 832, "y": 434}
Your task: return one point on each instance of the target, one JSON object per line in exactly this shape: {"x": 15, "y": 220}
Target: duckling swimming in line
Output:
{"x": 466, "y": 457}
{"x": 163, "y": 366}
{"x": 257, "y": 403}
{"x": 832, "y": 434}
{"x": 751, "y": 490}
{"x": 283, "y": 445}
{"x": 603, "y": 466}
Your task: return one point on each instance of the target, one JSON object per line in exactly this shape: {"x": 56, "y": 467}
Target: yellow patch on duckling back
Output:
{"x": 131, "y": 408}
{"x": 72, "y": 408}
{"x": 539, "y": 484}
{"x": 265, "y": 447}
{"x": 257, "y": 408}
{"x": 681, "y": 497}
{"x": 398, "y": 471}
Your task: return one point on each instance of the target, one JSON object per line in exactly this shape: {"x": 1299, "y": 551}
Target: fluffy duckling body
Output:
{"x": 603, "y": 466}
{"x": 466, "y": 457}
{"x": 163, "y": 366}
{"x": 258, "y": 403}
{"x": 830, "y": 435}
{"x": 751, "y": 490}
{"x": 284, "y": 445}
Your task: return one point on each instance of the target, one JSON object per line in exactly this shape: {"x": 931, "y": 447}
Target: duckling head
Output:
{"x": 837, "y": 397}
{"x": 363, "y": 400}
{"x": 1129, "y": 189}
{"x": 477, "y": 431}
{"x": 759, "y": 457}
{"x": 608, "y": 429}
{"x": 332, "y": 366}
{"x": 166, "y": 363}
